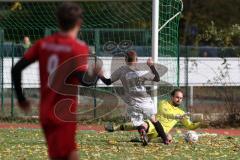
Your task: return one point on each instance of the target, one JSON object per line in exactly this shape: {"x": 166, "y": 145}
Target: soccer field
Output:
{"x": 107, "y": 44}
{"x": 30, "y": 144}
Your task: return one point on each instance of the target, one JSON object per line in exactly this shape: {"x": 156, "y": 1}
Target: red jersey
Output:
{"x": 58, "y": 56}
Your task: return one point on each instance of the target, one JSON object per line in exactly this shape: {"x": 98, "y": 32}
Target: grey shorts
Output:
{"x": 140, "y": 112}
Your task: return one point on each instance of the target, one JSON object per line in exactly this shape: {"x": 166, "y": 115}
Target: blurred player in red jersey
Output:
{"x": 63, "y": 63}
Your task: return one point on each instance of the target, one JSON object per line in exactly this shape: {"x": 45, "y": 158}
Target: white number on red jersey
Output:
{"x": 52, "y": 65}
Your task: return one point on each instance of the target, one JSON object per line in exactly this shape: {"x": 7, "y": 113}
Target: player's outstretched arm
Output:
{"x": 115, "y": 76}
{"x": 85, "y": 79}
{"x": 189, "y": 124}
{"x": 16, "y": 79}
{"x": 153, "y": 69}
{"x": 106, "y": 81}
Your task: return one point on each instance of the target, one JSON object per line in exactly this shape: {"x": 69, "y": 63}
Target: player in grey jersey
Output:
{"x": 139, "y": 102}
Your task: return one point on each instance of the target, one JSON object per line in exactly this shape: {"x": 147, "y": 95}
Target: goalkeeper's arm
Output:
{"x": 189, "y": 124}
{"x": 171, "y": 115}
{"x": 176, "y": 114}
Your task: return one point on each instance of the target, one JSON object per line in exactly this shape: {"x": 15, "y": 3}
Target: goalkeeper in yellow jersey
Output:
{"x": 168, "y": 115}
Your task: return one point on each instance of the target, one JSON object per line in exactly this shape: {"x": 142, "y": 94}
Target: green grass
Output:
{"x": 29, "y": 144}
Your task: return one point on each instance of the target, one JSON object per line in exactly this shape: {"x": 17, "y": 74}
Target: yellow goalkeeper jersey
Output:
{"x": 166, "y": 116}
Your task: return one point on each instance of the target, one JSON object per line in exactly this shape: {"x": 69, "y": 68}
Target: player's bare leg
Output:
{"x": 159, "y": 129}
{"x": 73, "y": 155}
{"x": 143, "y": 133}
{"x": 169, "y": 136}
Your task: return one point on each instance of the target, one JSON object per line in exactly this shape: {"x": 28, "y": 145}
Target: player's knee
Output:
{"x": 153, "y": 119}
{"x": 145, "y": 125}
{"x": 169, "y": 137}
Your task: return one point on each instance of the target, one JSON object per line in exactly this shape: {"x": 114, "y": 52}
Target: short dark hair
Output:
{"x": 131, "y": 56}
{"x": 68, "y": 14}
{"x": 176, "y": 90}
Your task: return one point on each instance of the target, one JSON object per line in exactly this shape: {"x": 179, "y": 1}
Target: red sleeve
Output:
{"x": 82, "y": 54}
{"x": 32, "y": 53}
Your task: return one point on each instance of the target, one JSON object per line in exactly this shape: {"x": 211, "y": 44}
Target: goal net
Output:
{"x": 110, "y": 28}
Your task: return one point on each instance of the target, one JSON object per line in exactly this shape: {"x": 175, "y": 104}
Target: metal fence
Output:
{"x": 211, "y": 84}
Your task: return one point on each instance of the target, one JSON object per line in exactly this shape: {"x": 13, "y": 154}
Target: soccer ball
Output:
{"x": 191, "y": 137}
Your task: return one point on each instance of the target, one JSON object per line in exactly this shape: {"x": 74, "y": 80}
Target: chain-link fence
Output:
{"x": 110, "y": 28}
{"x": 209, "y": 76}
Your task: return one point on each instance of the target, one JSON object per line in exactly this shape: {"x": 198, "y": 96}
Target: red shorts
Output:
{"x": 60, "y": 139}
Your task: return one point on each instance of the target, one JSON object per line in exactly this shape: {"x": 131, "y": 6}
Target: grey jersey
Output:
{"x": 133, "y": 79}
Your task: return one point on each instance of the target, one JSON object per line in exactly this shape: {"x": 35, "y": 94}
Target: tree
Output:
{"x": 204, "y": 15}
